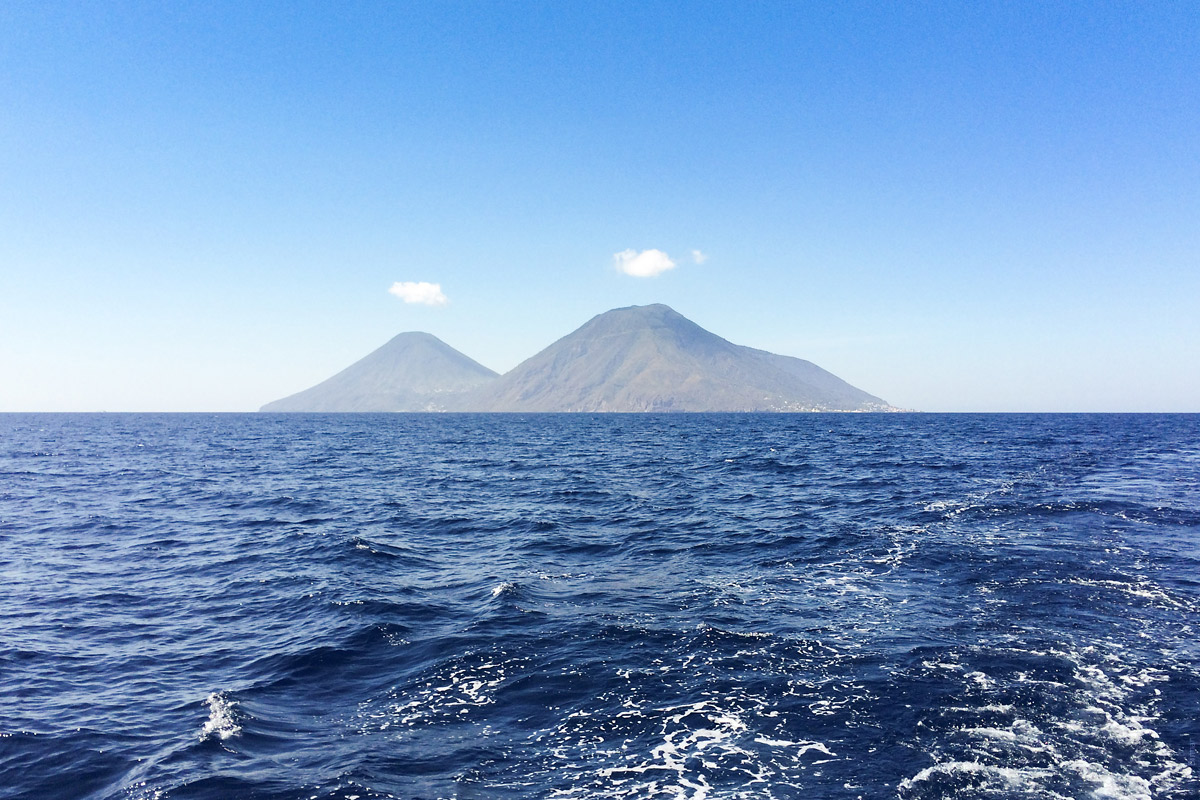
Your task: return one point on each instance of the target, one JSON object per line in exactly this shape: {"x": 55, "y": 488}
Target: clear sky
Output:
{"x": 954, "y": 206}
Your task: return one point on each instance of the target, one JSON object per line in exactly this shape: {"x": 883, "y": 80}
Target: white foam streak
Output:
{"x": 454, "y": 694}
{"x": 992, "y": 776}
{"x": 1110, "y": 786}
{"x": 1109, "y": 709}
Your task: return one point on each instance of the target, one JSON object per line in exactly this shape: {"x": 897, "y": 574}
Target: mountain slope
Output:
{"x": 412, "y": 372}
{"x": 650, "y": 358}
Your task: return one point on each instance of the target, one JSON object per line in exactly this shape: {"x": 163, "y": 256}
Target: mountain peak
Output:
{"x": 634, "y": 318}
{"x": 649, "y": 308}
{"x": 654, "y": 311}
{"x": 414, "y": 371}
{"x": 415, "y": 337}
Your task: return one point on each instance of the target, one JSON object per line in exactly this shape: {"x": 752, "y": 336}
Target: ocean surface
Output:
{"x": 806, "y": 606}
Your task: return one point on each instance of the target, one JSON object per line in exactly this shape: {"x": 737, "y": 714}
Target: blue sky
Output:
{"x": 954, "y": 206}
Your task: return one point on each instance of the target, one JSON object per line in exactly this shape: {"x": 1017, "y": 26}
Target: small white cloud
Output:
{"x": 429, "y": 294}
{"x": 699, "y": 257}
{"x": 645, "y": 264}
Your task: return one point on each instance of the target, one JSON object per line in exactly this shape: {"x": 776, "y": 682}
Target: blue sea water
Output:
{"x": 599, "y": 606}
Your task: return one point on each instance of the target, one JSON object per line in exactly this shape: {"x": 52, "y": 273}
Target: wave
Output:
{"x": 222, "y": 722}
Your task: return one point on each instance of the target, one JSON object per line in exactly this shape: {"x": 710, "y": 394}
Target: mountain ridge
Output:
{"x": 632, "y": 359}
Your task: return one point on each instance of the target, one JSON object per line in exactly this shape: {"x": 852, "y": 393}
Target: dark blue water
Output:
{"x": 577, "y": 606}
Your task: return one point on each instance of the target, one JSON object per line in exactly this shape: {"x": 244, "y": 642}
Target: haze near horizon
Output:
{"x": 986, "y": 207}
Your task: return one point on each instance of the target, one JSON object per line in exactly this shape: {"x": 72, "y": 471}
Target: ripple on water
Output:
{"x": 591, "y": 606}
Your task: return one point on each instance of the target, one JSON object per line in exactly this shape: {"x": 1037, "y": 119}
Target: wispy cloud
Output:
{"x": 699, "y": 257}
{"x": 429, "y": 294}
{"x": 645, "y": 264}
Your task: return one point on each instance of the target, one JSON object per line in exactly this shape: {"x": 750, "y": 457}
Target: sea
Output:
{"x": 359, "y": 606}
